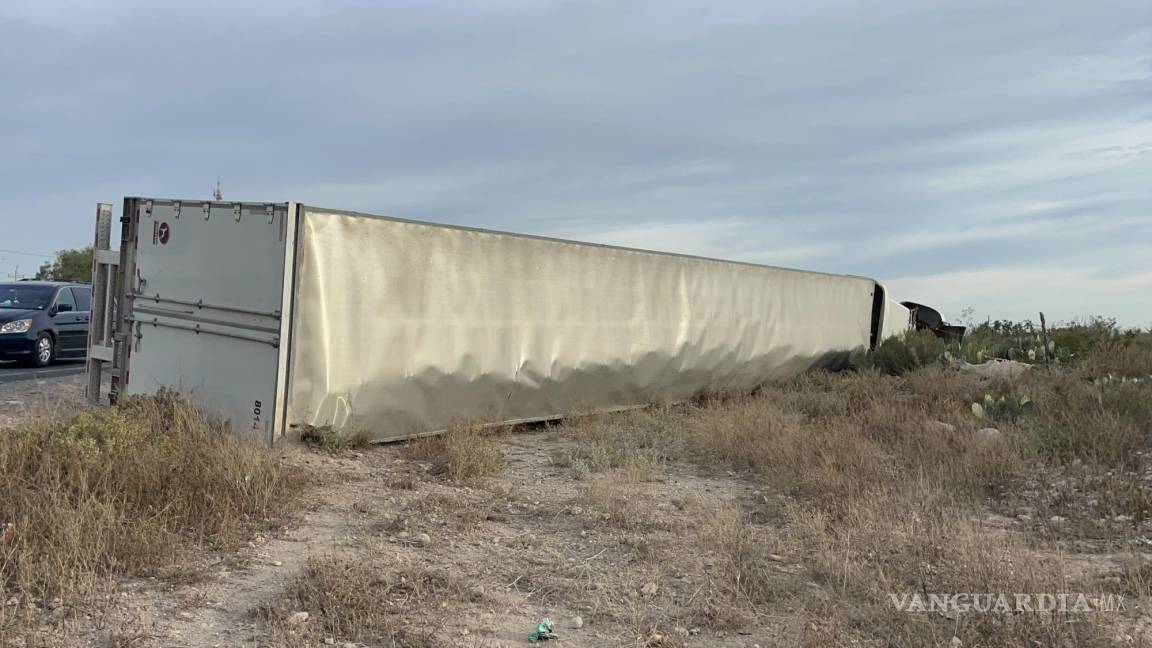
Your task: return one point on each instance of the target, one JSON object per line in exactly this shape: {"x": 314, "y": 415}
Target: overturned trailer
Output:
{"x": 274, "y": 315}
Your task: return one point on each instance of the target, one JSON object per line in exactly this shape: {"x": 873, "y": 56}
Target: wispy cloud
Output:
{"x": 897, "y": 140}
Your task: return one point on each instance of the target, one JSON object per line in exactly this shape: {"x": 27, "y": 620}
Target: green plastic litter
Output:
{"x": 543, "y": 631}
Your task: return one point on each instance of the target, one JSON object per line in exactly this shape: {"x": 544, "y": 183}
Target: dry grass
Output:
{"x": 616, "y": 502}
{"x": 1076, "y": 419}
{"x": 124, "y": 491}
{"x": 833, "y": 440}
{"x": 881, "y": 498}
{"x": 465, "y": 453}
{"x": 636, "y": 452}
{"x": 750, "y": 556}
{"x": 1129, "y": 356}
{"x": 371, "y": 601}
{"x": 829, "y": 494}
{"x": 924, "y": 541}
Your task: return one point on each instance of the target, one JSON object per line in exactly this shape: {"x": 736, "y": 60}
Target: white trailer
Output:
{"x": 273, "y": 315}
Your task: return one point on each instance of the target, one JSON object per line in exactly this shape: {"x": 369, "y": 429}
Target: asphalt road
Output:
{"x": 11, "y": 372}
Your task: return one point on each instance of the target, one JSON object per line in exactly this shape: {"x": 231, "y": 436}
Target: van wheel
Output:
{"x": 44, "y": 352}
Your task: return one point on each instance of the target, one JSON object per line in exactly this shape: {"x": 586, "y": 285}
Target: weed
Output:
{"x": 612, "y": 502}
{"x": 465, "y": 453}
{"x": 750, "y": 567}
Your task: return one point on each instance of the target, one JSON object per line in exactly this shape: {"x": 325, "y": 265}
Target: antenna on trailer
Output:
{"x": 216, "y": 195}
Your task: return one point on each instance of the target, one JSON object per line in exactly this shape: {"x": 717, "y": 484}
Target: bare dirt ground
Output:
{"x": 530, "y": 543}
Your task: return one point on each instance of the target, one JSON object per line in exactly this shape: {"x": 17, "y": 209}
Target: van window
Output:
{"x": 83, "y": 298}
{"x": 65, "y": 297}
{"x": 18, "y": 295}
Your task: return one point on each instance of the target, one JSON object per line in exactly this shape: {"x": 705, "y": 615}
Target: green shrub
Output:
{"x": 899, "y": 355}
{"x": 1080, "y": 337}
{"x": 1097, "y": 342}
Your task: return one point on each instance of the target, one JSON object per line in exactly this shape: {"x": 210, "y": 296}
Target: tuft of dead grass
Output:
{"x": 751, "y": 571}
{"x": 369, "y": 601}
{"x": 465, "y": 453}
{"x": 125, "y": 491}
{"x": 616, "y": 502}
{"x": 635, "y": 444}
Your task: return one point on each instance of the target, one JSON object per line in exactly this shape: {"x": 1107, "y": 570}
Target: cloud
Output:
{"x": 1022, "y": 293}
{"x": 894, "y": 140}
{"x": 727, "y": 239}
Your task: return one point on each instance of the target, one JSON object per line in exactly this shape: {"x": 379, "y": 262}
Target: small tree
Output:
{"x": 70, "y": 265}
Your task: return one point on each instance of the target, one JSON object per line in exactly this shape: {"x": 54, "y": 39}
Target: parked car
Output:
{"x": 43, "y": 321}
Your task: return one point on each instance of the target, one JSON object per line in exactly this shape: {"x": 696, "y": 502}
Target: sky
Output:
{"x": 992, "y": 156}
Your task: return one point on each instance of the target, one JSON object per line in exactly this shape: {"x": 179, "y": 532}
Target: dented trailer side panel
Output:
{"x": 403, "y": 327}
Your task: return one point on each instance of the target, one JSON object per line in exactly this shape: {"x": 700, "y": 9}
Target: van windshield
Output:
{"x": 25, "y": 296}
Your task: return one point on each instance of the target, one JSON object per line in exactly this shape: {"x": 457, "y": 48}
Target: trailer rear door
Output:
{"x": 203, "y": 305}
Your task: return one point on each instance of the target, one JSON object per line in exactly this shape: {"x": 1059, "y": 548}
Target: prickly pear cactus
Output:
{"x": 1003, "y": 409}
